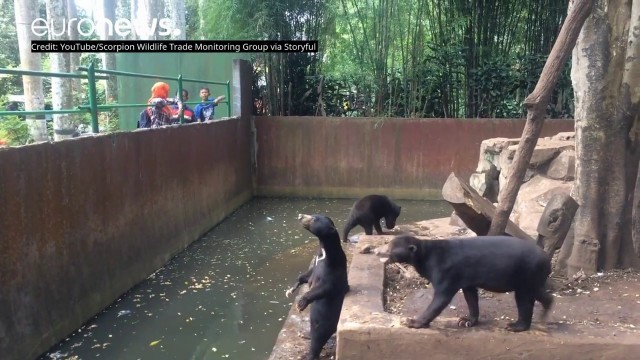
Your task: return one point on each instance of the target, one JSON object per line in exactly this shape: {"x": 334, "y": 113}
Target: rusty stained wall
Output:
{"x": 84, "y": 220}
{"x": 351, "y": 157}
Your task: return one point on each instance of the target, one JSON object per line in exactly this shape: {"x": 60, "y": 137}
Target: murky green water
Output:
{"x": 224, "y": 296}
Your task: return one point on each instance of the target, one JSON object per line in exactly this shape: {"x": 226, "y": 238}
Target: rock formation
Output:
{"x": 551, "y": 171}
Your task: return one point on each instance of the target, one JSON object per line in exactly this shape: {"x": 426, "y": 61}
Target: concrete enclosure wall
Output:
{"x": 351, "y": 157}
{"x": 84, "y": 220}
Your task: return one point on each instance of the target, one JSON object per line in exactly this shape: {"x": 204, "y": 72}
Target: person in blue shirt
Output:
{"x": 206, "y": 109}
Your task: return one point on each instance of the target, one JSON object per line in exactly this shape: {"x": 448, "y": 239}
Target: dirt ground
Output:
{"x": 601, "y": 305}
{"x": 605, "y": 304}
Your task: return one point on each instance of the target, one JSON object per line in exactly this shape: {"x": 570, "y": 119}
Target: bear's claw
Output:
{"x": 466, "y": 322}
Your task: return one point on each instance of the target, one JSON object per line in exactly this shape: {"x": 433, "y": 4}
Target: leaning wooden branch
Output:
{"x": 475, "y": 211}
{"x": 536, "y": 104}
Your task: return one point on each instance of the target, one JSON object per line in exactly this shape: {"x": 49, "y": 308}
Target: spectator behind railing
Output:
{"x": 159, "y": 113}
{"x": 188, "y": 112}
{"x": 206, "y": 109}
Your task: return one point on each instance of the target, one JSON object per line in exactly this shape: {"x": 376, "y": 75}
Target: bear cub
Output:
{"x": 367, "y": 213}
{"x": 327, "y": 281}
{"x": 493, "y": 263}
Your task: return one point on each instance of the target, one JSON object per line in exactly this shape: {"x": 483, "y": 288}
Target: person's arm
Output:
{"x": 218, "y": 99}
{"x": 144, "y": 121}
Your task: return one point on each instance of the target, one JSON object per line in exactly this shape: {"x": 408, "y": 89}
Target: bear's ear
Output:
{"x": 413, "y": 248}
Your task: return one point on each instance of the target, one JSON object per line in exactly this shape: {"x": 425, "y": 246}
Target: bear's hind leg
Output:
{"x": 525, "y": 302}
{"x": 319, "y": 337}
{"x": 546, "y": 300}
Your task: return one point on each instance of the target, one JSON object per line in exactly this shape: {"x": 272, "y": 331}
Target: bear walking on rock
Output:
{"x": 493, "y": 263}
{"x": 367, "y": 213}
{"x": 327, "y": 281}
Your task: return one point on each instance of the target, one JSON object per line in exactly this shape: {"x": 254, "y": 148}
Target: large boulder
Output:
{"x": 563, "y": 167}
{"x": 532, "y": 199}
{"x": 551, "y": 170}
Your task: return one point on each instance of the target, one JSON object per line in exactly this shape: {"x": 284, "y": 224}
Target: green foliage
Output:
{"x": 192, "y": 19}
{"x": 14, "y": 131}
{"x": 283, "y": 81}
{"x": 237, "y": 19}
{"x": 493, "y": 84}
{"x": 414, "y": 58}
{"x": 109, "y": 121}
{"x": 418, "y": 58}
{"x": 9, "y": 54}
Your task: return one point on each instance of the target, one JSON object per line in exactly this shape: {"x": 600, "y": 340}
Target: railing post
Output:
{"x": 180, "y": 98}
{"x": 93, "y": 99}
{"x": 228, "y": 98}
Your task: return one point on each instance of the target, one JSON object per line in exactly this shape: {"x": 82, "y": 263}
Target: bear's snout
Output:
{"x": 305, "y": 220}
{"x": 382, "y": 252}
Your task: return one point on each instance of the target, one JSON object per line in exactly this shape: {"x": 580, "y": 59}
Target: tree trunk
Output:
{"x": 133, "y": 11}
{"x": 142, "y": 18}
{"x": 33, "y": 98}
{"x": 202, "y": 6}
{"x": 74, "y": 59}
{"x": 536, "y": 104}
{"x": 635, "y": 231}
{"x": 630, "y": 84}
{"x": 606, "y": 81}
{"x": 157, "y": 12}
{"x": 63, "y": 127}
{"x": 143, "y": 12}
{"x": 109, "y": 59}
{"x": 177, "y": 14}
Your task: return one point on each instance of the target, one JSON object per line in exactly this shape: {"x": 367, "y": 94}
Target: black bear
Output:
{"x": 327, "y": 281}
{"x": 367, "y": 213}
{"x": 494, "y": 263}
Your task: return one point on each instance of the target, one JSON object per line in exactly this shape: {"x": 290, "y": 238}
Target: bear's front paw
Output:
{"x": 414, "y": 323}
{"x": 467, "y": 322}
{"x": 302, "y": 304}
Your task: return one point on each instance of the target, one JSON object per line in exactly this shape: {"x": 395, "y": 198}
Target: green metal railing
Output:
{"x": 45, "y": 74}
{"x": 92, "y": 74}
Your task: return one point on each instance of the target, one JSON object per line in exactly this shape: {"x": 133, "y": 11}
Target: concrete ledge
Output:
{"x": 347, "y": 192}
{"x": 366, "y": 331}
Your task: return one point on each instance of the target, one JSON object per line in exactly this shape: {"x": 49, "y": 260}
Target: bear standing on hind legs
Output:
{"x": 327, "y": 281}
{"x": 367, "y": 213}
{"x": 493, "y": 263}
